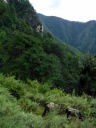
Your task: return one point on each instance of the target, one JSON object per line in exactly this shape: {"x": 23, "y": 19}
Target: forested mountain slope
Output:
{"x": 29, "y": 54}
{"x": 77, "y": 34}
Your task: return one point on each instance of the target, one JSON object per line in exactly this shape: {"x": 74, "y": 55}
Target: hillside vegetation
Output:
{"x": 35, "y": 68}
{"x": 77, "y": 34}
{"x": 20, "y": 106}
{"x": 28, "y": 54}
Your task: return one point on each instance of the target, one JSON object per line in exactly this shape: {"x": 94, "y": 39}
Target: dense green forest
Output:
{"x": 36, "y": 67}
{"x": 78, "y": 34}
{"x": 28, "y": 54}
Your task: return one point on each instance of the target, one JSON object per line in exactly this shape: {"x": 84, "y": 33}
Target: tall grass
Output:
{"x": 26, "y": 111}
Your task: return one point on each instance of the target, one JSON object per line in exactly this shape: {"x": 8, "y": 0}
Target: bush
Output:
{"x": 27, "y": 105}
{"x": 15, "y": 87}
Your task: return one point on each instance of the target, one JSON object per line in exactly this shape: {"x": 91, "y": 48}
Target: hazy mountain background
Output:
{"x": 78, "y": 34}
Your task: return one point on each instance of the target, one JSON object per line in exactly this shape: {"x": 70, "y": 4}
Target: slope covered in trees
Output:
{"x": 28, "y": 54}
{"x": 77, "y": 34}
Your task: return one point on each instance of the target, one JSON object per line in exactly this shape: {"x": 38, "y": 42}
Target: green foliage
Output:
{"x": 15, "y": 88}
{"x": 88, "y": 76}
{"x": 26, "y": 112}
{"x": 45, "y": 65}
{"x": 27, "y": 54}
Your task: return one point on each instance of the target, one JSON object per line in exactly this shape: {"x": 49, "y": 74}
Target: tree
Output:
{"x": 87, "y": 82}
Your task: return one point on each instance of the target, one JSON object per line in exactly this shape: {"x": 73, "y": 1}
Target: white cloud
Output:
{"x": 55, "y": 3}
{"x": 80, "y": 10}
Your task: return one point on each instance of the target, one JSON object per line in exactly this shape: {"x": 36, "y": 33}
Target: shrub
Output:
{"x": 15, "y": 87}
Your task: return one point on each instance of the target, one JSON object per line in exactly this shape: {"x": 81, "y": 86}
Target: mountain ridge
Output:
{"x": 72, "y": 32}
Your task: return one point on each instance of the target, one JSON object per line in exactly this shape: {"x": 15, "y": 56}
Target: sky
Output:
{"x": 74, "y": 10}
